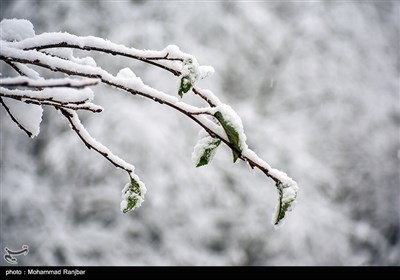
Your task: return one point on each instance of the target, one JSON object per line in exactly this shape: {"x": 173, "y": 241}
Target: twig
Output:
{"x": 91, "y": 143}
{"x": 13, "y": 66}
{"x": 23, "y": 70}
{"x": 87, "y": 106}
{"x": 196, "y": 91}
{"x": 14, "y": 119}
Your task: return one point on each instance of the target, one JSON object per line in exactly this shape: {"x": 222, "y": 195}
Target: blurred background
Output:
{"x": 317, "y": 87}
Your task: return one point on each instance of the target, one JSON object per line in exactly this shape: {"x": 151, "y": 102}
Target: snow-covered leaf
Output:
{"x": 190, "y": 74}
{"x": 232, "y": 134}
{"x": 205, "y": 150}
{"x": 132, "y": 195}
{"x": 287, "y": 190}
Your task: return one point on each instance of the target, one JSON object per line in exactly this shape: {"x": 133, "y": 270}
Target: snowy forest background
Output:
{"x": 317, "y": 87}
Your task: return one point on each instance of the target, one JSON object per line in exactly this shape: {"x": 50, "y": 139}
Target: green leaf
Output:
{"x": 284, "y": 203}
{"x": 131, "y": 194}
{"x": 208, "y": 152}
{"x": 185, "y": 86}
{"x": 232, "y": 134}
{"x": 131, "y": 204}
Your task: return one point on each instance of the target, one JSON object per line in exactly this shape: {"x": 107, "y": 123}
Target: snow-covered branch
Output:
{"x": 24, "y": 81}
{"x": 91, "y": 143}
{"x": 54, "y": 51}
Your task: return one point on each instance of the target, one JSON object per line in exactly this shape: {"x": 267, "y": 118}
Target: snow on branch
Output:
{"x": 24, "y": 81}
{"x": 21, "y": 49}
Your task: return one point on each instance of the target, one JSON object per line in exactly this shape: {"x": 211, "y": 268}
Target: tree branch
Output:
{"x": 48, "y": 83}
{"x": 225, "y": 126}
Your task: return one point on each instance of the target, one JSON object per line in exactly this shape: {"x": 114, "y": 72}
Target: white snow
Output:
{"x": 16, "y": 29}
{"x": 126, "y": 73}
{"x": 127, "y": 77}
{"x": 205, "y": 71}
{"x": 171, "y": 51}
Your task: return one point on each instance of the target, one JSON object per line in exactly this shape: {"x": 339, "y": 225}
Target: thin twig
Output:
{"x": 14, "y": 119}
{"x": 203, "y": 97}
{"x": 200, "y": 113}
{"x": 13, "y": 66}
{"x": 166, "y": 57}
{"x": 91, "y": 143}
{"x": 22, "y": 70}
